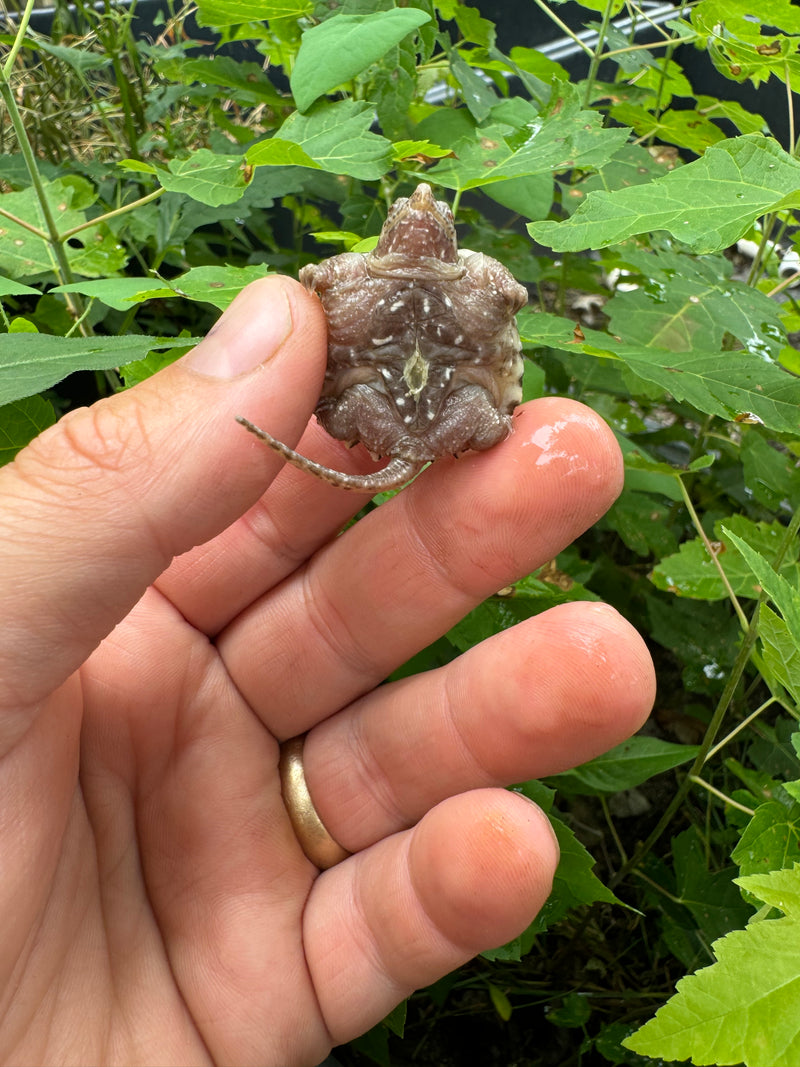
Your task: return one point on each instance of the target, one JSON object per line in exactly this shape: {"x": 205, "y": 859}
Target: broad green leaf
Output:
{"x": 205, "y": 176}
{"x": 30, "y": 363}
{"x": 711, "y": 898}
{"x": 275, "y": 152}
{"x": 216, "y": 285}
{"x": 770, "y": 841}
{"x": 393, "y": 85}
{"x": 247, "y": 78}
{"x": 743, "y": 1008}
{"x": 20, "y": 422}
{"x": 80, "y": 59}
{"x": 641, "y": 522}
{"x": 702, "y": 635}
{"x": 687, "y": 129}
{"x": 94, "y": 251}
{"x": 575, "y": 882}
{"x": 630, "y": 165}
{"x": 682, "y": 303}
{"x": 8, "y": 287}
{"x": 234, "y": 12}
{"x": 623, "y": 767}
{"x": 119, "y": 293}
{"x": 707, "y": 205}
{"x": 770, "y": 473}
{"x": 564, "y": 139}
{"x": 692, "y": 573}
{"x": 338, "y": 138}
{"x": 410, "y": 149}
{"x": 785, "y": 596}
{"x": 343, "y": 46}
{"x": 780, "y": 649}
{"x": 727, "y": 384}
{"x": 737, "y": 16}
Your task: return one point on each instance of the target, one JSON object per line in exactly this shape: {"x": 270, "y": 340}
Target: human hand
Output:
{"x": 176, "y": 606}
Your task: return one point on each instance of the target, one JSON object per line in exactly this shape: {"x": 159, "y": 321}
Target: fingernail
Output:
{"x": 248, "y": 333}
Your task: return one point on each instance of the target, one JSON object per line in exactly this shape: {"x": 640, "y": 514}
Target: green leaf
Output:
{"x": 118, "y": 293}
{"x": 573, "y": 1011}
{"x": 30, "y": 363}
{"x": 770, "y": 472}
{"x": 575, "y": 883}
{"x": 248, "y": 79}
{"x": 338, "y": 138}
{"x": 235, "y": 12}
{"x": 217, "y": 285}
{"x": 743, "y": 1008}
{"x": 343, "y": 46}
{"x": 500, "y": 1002}
{"x": 623, "y": 767}
{"x": 785, "y": 596}
{"x": 780, "y": 648}
{"x": 543, "y": 144}
{"x": 8, "y": 287}
{"x": 692, "y": 573}
{"x": 727, "y": 384}
{"x": 708, "y": 204}
{"x": 770, "y": 841}
{"x": 94, "y": 251}
{"x": 21, "y": 421}
{"x": 681, "y": 304}
{"x": 205, "y": 176}
{"x": 276, "y": 152}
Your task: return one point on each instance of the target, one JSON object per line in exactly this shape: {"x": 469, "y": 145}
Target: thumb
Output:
{"x": 96, "y": 507}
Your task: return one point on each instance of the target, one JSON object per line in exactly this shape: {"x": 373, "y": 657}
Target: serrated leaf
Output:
{"x": 30, "y": 363}
{"x": 205, "y": 176}
{"x": 708, "y": 204}
{"x": 683, "y": 303}
{"x": 785, "y": 596}
{"x": 20, "y": 422}
{"x": 743, "y": 1008}
{"x": 545, "y": 144}
{"x": 623, "y": 767}
{"x": 338, "y": 138}
{"x": 770, "y": 473}
{"x": 727, "y": 384}
{"x": 574, "y": 883}
{"x": 343, "y": 46}
{"x": 23, "y": 254}
{"x": 247, "y": 78}
{"x": 692, "y": 573}
{"x": 770, "y": 841}
{"x": 780, "y": 649}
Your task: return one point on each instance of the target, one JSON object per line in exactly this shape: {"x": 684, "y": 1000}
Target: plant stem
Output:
{"x": 112, "y": 214}
{"x": 716, "y": 720}
{"x": 53, "y": 237}
{"x": 596, "y": 54}
{"x": 11, "y": 58}
{"x": 25, "y": 225}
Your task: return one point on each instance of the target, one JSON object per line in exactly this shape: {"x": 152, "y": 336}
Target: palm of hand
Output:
{"x": 158, "y": 906}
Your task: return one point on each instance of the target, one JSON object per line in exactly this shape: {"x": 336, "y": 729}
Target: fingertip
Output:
{"x": 482, "y": 864}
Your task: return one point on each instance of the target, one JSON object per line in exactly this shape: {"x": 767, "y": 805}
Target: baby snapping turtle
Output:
{"x": 424, "y": 357}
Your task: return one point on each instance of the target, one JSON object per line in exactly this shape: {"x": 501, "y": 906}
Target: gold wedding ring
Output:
{"x": 315, "y": 841}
